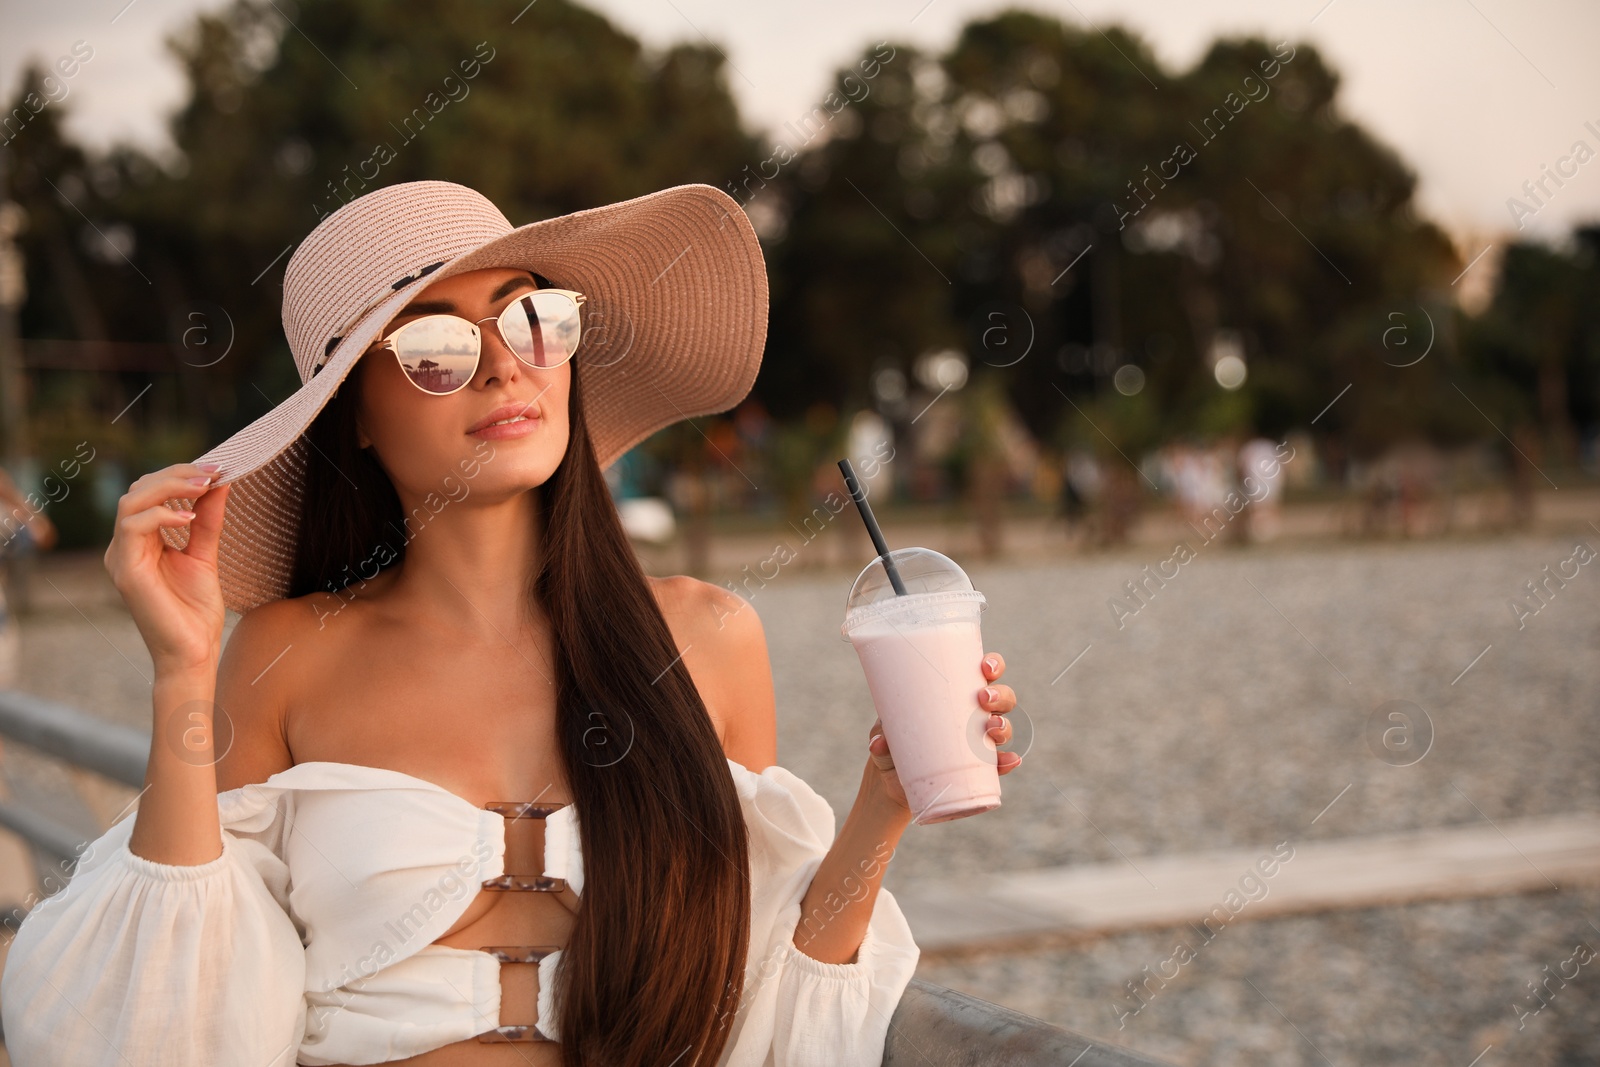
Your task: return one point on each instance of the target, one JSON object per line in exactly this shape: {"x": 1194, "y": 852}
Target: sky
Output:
{"x": 1477, "y": 96}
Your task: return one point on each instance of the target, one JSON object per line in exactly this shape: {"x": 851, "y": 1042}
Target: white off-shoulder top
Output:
{"x": 309, "y": 940}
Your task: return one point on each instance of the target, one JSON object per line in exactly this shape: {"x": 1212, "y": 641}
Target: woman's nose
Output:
{"x": 496, "y": 361}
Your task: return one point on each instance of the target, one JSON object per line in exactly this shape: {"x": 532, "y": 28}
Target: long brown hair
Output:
{"x": 654, "y": 967}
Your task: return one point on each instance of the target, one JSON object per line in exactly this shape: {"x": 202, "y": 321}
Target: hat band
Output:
{"x": 350, "y": 323}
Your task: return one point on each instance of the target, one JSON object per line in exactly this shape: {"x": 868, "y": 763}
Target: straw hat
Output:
{"x": 674, "y": 327}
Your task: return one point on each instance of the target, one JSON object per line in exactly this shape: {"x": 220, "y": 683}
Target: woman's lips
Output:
{"x": 499, "y": 431}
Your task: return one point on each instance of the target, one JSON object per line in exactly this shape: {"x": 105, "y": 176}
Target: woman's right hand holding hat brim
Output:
{"x": 174, "y": 595}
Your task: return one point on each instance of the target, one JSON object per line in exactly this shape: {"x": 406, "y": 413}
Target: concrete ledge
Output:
{"x": 1031, "y": 909}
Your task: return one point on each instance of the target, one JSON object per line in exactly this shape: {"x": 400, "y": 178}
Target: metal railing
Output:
{"x": 74, "y": 737}
{"x": 931, "y": 1027}
{"x": 938, "y": 1027}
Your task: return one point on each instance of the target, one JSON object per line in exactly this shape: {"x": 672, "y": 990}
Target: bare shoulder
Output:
{"x": 695, "y": 602}
{"x": 277, "y": 653}
{"x": 252, "y": 696}
{"x": 717, "y": 621}
{"x": 725, "y": 648}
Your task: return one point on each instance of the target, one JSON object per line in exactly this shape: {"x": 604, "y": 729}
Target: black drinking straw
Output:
{"x": 872, "y": 526}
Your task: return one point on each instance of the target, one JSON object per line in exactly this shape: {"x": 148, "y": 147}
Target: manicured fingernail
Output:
{"x": 200, "y": 481}
{"x": 990, "y": 693}
{"x": 209, "y": 466}
{"x": 185, "y": 514}
{"x": 991, "y": 662}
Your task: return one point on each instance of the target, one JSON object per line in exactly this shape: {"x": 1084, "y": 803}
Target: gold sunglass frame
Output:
{"x": 388, "y": 343}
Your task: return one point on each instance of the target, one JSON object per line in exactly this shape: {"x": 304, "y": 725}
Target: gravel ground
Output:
{"x": 1228, "y": 712}
{"x": 1427, "y": 985}
{"x": 1231, "y": 710}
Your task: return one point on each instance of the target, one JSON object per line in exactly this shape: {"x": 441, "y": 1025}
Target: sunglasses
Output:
{"x": 439, "y": 353}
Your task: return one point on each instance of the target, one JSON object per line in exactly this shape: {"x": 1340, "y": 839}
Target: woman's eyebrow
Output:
{"x": 510, "y": 286}
{"x": 428, "y": 307}
{"x": 448, "y": 307}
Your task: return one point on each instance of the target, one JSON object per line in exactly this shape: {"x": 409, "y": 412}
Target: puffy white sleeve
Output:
{"x": 136, "y": 962}
{"x": 796, "y": 1010}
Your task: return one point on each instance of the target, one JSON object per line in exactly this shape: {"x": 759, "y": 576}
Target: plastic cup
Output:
{"x": 922, "y": 654}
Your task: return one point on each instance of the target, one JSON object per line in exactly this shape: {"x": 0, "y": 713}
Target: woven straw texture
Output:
{"x": 674, "y": 327}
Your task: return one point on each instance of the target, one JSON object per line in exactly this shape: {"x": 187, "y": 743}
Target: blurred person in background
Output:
{"x": 1080, "y": 485}
{"x": 24, "y": 532}
{"x": 1200, "y": 483}
{"x": 1259, "y": 463}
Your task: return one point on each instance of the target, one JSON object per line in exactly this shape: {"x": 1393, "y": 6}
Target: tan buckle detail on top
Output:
{"x": 512, "y": 809}
{"x": 518, "y": 1032}
{"x": 517, "y": 883}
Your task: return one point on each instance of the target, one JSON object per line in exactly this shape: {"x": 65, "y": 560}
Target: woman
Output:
{"x": 448, "y": 654}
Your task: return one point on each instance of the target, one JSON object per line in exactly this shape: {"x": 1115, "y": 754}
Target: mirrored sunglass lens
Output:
{"x": 439, "y": 353}
{"x": 556, "y": 336}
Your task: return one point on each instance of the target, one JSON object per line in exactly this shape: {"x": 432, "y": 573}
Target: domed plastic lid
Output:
{"x": 921, "y": 570}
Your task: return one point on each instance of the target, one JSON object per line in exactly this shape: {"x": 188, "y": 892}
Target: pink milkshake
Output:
{"x": 922, "y": 654}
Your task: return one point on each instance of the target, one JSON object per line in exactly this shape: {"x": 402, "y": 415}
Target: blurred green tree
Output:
{"x": 861, "y": 265}
{"x": 1058, "y": 205}
{"x": 1536, "y": 346}
{"x": 552, "y": 112}
{"x": 1049, "y": 201}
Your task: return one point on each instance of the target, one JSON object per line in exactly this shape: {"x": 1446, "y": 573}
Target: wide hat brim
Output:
{"x": 677, "y": 310}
